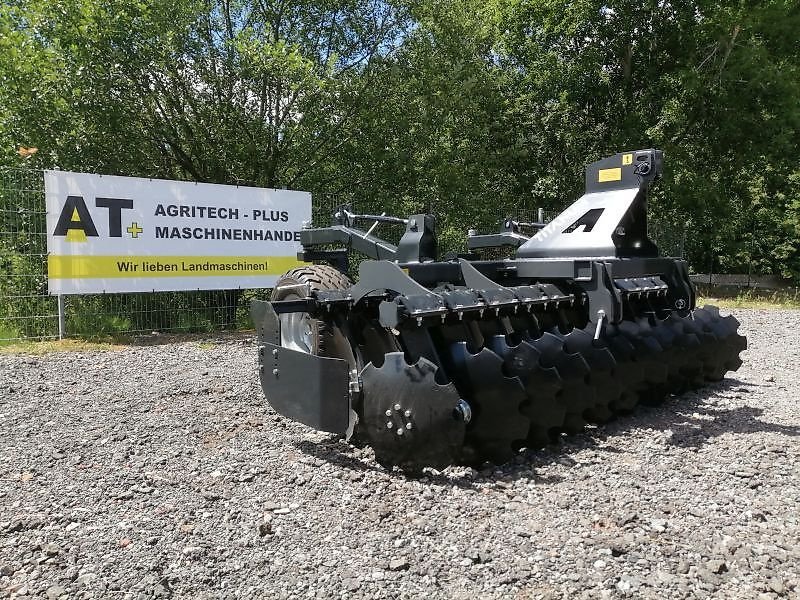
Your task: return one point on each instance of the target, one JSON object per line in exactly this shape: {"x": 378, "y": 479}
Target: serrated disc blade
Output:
{"x": 577, "y": 394}
{"x": 408, "y": 417}
{"x": 497, "y": 424}
{"x": 542, "y": 385}
{"x": 602, "y": 378}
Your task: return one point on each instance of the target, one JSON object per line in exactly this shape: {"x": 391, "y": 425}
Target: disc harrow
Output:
{"x": 461, "y": 360}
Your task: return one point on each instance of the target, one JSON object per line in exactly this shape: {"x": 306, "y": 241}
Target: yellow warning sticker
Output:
{"x": 609, "y": 175}
{"x": 627, "y": 159}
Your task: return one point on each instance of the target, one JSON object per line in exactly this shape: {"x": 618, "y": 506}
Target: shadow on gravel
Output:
{"x": 330, "y": 450}
{"x": 692, "y": 421}
{"x": 708, "y": 421}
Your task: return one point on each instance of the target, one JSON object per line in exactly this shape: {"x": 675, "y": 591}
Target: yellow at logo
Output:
{"x": 78, "y": 234}
{"x": 627, "y": 159}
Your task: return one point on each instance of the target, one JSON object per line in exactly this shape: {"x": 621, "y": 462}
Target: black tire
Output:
{"x": 298, "y": 330}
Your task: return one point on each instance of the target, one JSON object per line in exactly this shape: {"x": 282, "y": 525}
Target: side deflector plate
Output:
{"x": 307, "y": 388}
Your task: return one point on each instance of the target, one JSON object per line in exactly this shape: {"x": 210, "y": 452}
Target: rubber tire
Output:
{"x": 313, "y": 278}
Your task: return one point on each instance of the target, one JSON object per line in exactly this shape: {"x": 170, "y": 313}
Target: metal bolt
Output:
{"x": 275, "y": 372}
{"x": 355, "y": 382}
{"x": 409, "y": 426}
{"x": 389, "y": 425}
{"x": 407, "y": 413}
{"x": 600, "y": 316}
{"x": 400, "y": 431}
{"x": 464, "y": 411}
{"x": 398, "y": 407}
{"x": 274, "y": 352}
{"x": 388, "y": 413}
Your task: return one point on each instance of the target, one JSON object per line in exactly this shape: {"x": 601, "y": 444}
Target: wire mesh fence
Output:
{"x": 147, "y": 313}
{"x": 27, "y": 311}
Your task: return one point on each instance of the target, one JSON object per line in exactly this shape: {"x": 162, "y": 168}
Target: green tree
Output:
{"x": 218, "y": 91}
{"x": 715, "y": 85}
{"x": 474, "y": 109}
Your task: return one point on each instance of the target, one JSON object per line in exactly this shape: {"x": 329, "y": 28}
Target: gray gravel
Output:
{"x": 155, "y": 471}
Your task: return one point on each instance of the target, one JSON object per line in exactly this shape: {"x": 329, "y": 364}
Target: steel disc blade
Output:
{"x": 732, "y": 325}
{"x": 410, "y": 419}
{"x": 629, "y": 372}
{"x": 693, "y": 345}
{"x": 602, "y": 376}
{"x": 497, "y": 426}
{"x": 577, "y": 394}
{"x": 711, "y": 354}
{"x": 678, "y": 359}
{"x": 650, "y": 355}
{"x": 727, "y": 343}
{"x": 542, "y": 385}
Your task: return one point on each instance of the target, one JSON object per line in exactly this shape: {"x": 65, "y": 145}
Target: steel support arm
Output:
{"x": 351, "y": 237}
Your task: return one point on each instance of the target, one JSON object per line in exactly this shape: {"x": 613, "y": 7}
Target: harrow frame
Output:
{"x": 466, "y": 360}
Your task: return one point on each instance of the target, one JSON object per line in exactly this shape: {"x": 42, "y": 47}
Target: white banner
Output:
{"x": 127, "y": 234}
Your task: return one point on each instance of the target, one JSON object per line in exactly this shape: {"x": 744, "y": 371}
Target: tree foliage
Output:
{"x": 474, "y": 108}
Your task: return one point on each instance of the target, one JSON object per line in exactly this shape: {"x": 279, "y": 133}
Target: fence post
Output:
{"x": 62, "y": 319}
{"x": 750, "y": 255}
{"x": 711, "y": 269}
{"x": 540, "y": 216}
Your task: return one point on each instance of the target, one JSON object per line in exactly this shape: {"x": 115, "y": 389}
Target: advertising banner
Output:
{"x": 128, "y": 234}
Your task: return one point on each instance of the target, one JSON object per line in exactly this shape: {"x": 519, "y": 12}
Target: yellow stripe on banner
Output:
{"x": 105, "y": 267}
{"x": 609, "y": 175}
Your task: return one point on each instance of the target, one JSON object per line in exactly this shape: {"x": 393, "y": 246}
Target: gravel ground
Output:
{"x": 155, "y": 471}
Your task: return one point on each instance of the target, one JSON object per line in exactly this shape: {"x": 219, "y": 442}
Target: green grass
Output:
{"x": 7, "y": 333}
{"x": 114, "y": 343}
{"x": 51, "y": 346}
{"x": 97, "y": 327}
{"x": 784, "y": 299}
